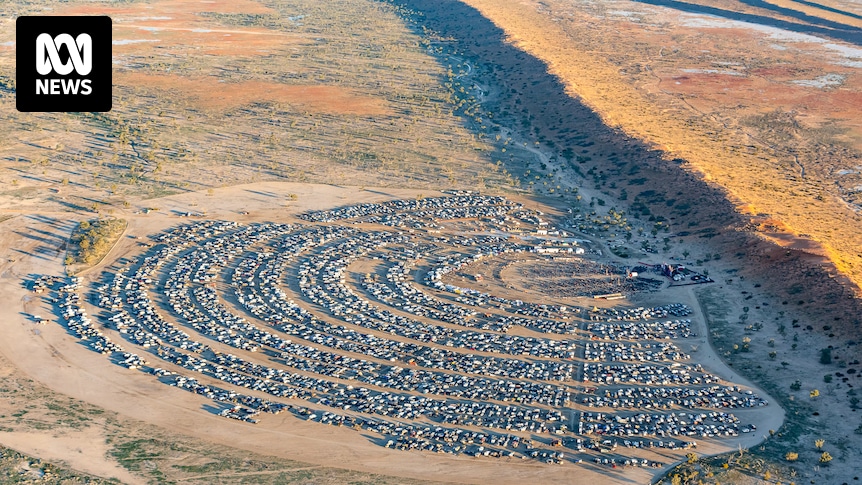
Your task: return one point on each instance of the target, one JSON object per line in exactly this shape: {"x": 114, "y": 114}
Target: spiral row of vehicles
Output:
{"x": 344, "y": 319}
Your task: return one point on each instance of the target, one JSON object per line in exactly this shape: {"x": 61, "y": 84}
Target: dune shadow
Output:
{"x": 808, "y": 24}
{"x": 829, "y": 9}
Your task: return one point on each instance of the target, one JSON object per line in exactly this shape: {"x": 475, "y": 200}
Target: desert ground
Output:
{"x": 725, "y": 137}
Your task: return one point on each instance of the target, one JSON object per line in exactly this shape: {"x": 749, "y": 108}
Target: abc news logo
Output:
{"x": 48, "y": 60}
{"x": 63, "y": 64}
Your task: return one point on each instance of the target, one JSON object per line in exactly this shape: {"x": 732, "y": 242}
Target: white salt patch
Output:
{"x": 845, "y": 50}
{"x": 625, "y": 13}
{"x": 852, "y": 55}
{"x": 826, "y": 81}
{"x": 847, "y": 171}
{"x": 133, "y": 41}
{"x": 139, "y": 19}
{"x": 715, "y": 22}
{"x": 711, "y": 71}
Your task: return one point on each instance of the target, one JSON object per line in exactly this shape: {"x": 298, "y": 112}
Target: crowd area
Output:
{"x": 577, "y": 276}
{"x": 266, "y": 318}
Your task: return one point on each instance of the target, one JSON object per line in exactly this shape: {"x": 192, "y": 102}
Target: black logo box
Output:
{"x": 28, "y": 29}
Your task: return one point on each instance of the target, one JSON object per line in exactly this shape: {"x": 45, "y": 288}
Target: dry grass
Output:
{"x": 243, "y": 92}
{"x": 209, "y": 93}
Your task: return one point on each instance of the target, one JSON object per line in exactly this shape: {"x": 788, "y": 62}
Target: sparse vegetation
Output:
{"x": 92, "y": 240}
{"x": 736, "y": 467}
{"x": 18, "y": 468}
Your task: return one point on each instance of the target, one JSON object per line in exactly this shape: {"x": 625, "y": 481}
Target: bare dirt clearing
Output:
{"x": 84, "y": 450}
